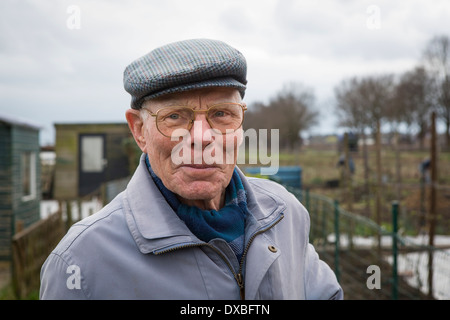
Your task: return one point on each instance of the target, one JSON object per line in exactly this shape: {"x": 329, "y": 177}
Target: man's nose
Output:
{"x": 201, "y": 131}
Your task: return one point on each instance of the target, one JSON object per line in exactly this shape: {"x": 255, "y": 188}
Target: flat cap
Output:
{"x": 183, "y": 66}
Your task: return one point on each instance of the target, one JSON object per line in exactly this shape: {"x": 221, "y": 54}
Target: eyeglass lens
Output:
{"x": 220, "y": 117}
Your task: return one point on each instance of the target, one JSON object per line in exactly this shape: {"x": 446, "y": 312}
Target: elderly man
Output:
{"x": 190, "y": 225}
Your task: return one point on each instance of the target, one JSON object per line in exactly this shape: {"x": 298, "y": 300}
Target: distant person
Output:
{"x": 185, "y": 228}
{"x": 351, "y": 165}
{"x": 425, "y": 168}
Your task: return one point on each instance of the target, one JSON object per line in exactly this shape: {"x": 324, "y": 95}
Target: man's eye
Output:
{"x": 173, "y": 116}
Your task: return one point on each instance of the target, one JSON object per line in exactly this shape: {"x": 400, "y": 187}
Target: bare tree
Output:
{"x": 291, "y": 111}
{"x": 294, "y": 105}
{"x": 413, "y": 101}
{"x": 377, "y": 92}
{"x": 363, "y": 103}
{"x": 437, "y": 60}
{"x": 351, "y": 114}
{"x": 350, "y": 105}
{"x": 255, "y": 117}
{"x": 411, "y": 105}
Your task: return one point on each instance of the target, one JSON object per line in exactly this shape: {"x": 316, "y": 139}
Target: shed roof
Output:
{"x": 15, "y": 121}
{"x": 74, "y": 124}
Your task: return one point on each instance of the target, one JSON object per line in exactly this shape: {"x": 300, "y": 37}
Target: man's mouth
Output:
{"x": 199, "y": 166}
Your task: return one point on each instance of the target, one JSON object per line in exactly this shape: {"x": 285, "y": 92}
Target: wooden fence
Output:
{"x": 30, "y": 249}
{"x": 32, "y": 246}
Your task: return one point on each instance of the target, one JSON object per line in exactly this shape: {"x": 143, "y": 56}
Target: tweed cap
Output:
{"x": 183, "y": 66}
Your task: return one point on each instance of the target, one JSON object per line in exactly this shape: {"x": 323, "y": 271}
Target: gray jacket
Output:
{"x": 136, "y": 247}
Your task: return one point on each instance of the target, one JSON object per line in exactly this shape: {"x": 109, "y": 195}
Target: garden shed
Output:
{"x": 90, "y": 154}
{"x": 20, "y": 193}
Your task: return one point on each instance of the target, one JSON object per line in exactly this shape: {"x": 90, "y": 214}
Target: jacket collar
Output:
{"x": 154, "y": 225}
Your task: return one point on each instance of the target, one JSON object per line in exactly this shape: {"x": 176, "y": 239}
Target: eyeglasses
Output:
{"x": 223, "y": 118}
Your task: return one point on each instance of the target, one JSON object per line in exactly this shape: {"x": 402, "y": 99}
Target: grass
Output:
{"x": 7, "y": 293}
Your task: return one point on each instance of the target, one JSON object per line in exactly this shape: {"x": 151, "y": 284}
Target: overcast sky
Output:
{"x": 62, "y": 61}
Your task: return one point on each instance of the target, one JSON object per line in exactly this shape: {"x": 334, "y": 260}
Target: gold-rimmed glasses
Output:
{"x": 223, "y": 118}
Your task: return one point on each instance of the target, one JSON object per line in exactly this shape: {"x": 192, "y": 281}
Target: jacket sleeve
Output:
{"x": 321, "y": 282}
{"x": 60, "y": 280}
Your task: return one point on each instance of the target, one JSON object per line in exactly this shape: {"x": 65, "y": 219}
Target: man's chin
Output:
{"x": 199, "y": 190}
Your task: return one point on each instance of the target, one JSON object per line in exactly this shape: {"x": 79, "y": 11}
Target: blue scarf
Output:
{"x": 227, "y": 223}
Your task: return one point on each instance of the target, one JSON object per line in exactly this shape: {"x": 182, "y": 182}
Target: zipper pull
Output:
{"x": 240, "y": 282}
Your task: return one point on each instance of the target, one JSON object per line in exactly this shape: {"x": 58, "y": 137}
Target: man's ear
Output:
{"x": 136, "y": 125}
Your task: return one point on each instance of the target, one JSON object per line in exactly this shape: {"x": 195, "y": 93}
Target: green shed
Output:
{"x": 20, "y": 190}
{"x": 90, "y": 154}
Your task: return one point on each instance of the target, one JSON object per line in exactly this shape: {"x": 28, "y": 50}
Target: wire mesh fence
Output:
{"x": 372, "y": 262}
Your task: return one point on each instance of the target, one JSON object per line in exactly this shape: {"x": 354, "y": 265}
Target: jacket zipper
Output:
{"x": 240, "y": 278}
{"x": 237, "y": 276}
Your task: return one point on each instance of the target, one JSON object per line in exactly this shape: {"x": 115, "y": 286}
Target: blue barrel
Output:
{"x": 289, "y": 176}
{"x": 253, "y": 170}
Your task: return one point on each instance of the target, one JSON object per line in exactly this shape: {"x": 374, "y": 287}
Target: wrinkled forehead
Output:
{"x": 196, "y": 98}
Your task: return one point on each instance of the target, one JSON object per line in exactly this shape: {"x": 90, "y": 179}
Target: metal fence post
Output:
{"x": 324, "y": 223}
{"x": 336, "y": 248}
{"x": 394, "y": 250}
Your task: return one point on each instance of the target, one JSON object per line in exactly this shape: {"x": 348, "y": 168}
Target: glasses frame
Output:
{"x": 242, "y": 105}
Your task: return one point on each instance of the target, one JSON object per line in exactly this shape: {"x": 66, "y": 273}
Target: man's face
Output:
{"x": 184, "y": 165}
